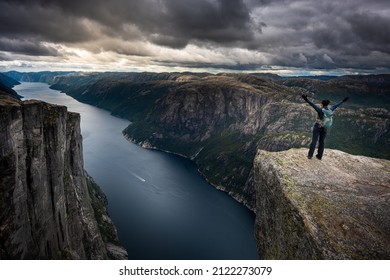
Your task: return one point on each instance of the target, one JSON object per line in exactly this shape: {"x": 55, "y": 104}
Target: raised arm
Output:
{"x": 338, "y": 104}
{"x": 317, "y": 108}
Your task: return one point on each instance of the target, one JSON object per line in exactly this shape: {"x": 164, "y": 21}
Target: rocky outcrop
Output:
{"x": 45, "y": 207}
{"x": 337, "y": 208}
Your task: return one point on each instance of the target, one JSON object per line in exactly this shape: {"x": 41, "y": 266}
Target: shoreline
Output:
{"x": 147, "y": 145}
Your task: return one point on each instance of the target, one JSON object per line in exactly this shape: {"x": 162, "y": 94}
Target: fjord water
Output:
{"x": 160, "y": 204}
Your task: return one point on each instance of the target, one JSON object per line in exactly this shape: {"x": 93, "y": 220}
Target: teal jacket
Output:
{"x": 319, "y": 110}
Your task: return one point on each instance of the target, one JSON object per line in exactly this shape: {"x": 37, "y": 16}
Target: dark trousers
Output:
{"x": 319, "y": 134}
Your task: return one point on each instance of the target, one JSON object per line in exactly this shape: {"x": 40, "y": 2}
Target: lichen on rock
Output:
{"x": 336, "y": 208}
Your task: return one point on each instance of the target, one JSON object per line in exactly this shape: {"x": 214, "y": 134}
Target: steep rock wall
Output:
{"x": 45, "y": 208}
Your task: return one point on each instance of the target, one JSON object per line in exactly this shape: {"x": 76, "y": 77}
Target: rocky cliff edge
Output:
{"x": 337, "y": 208}
{"x": 46, "y": 211}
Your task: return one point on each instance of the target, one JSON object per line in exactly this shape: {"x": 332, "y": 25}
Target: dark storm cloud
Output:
{"x": 195, "y": 65}
{"x": 167, "y": 22}
{"x": 372, "y": 30}
{"x": 27, "y": 47}
{"x": 327, "y": 34}
{"x": 217, "y": 21}
{"x": 40, "y": 23}
{"x": 299, "y": 33}
{"x": 350, "y": 32}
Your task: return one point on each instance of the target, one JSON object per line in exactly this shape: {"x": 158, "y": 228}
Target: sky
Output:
{"x": 302, "y": 37}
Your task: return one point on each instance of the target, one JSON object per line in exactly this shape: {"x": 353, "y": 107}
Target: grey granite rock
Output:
{"x": 336, "y": 208}
{"x": 45, "y": 208}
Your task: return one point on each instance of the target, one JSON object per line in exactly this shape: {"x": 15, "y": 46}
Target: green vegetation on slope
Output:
{"x": 99, "y": 204}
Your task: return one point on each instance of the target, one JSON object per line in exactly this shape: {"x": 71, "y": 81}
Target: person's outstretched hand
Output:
{"x": 345, "y": 99}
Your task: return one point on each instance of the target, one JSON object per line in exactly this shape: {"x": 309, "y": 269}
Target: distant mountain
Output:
{"x": 265, "y": 76}
{"x": 320, "y": 77}
{"x": 221, "y": 120}
{"x": 365, "y": 90}
{"x": 43, "y": 77}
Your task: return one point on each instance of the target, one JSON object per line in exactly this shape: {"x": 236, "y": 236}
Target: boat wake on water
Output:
{"x": 138, "y": 177}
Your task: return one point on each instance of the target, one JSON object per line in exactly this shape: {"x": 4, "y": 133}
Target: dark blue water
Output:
{"x": 161, "y": 206}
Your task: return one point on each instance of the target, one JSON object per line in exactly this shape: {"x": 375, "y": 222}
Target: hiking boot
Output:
{"x": 309, "y": 157}
{"x": 318, "y": 157}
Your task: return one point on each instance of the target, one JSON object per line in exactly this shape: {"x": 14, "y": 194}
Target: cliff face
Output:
{"x": 337, "y": 208}
{"x": 45, "y": 208}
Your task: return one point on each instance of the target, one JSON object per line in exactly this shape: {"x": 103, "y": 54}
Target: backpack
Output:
{"x": 327, "y": 120}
